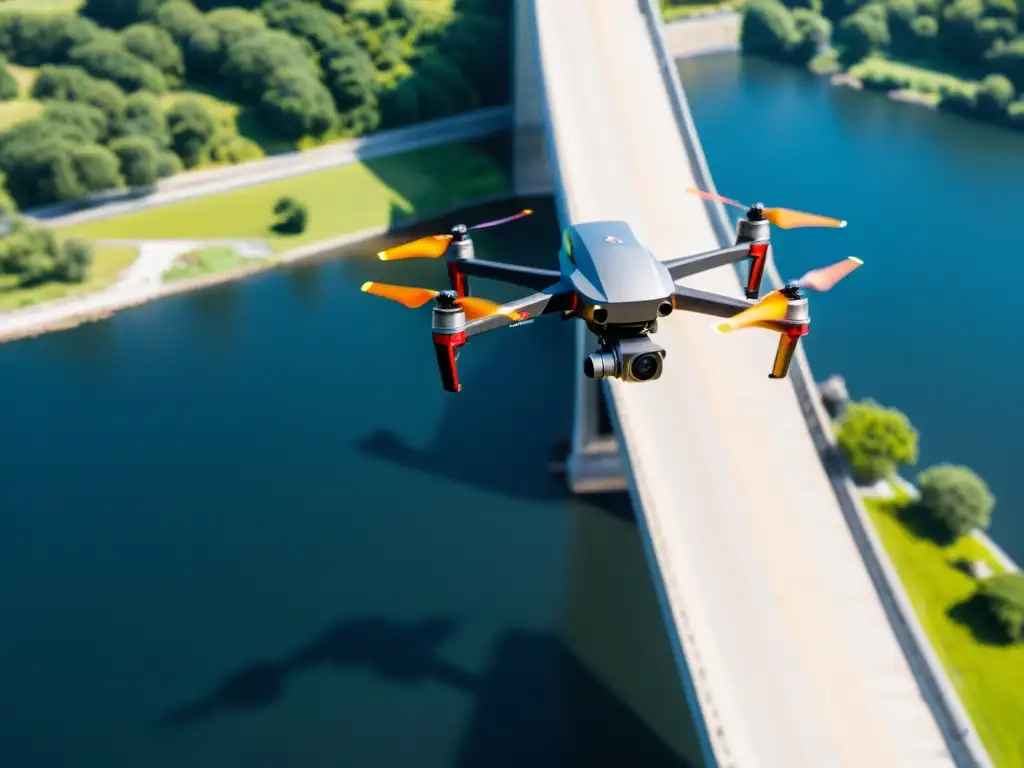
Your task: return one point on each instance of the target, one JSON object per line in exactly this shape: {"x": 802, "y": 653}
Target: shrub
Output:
{"x": 957, "y": 498}
{"x": 138, "y": 160}
{"x": 73, "y": 262}
{"x": 86, "y": 120}
{"x": 768, "y": 29}
{"x": 192, "y": 127}
{"x": 1005, "y": 597}
{"x": 291, "y": 216}
{"x": 875, "y": 440}
{"x": 112, "y": 62}
{"x": 65, "y": 83}
{"x": 297, "y": 104}
{"x": 156, "y": 46}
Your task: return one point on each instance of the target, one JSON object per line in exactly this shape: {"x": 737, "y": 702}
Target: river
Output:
{"x": 931, "y": 199}
{"x": 246, "y": 527}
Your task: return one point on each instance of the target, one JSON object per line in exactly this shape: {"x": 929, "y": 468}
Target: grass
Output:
{"x": 108, "y": 263}
{"x": 205, "y": 261}
{"x": 989, "y": 676}
{"x": 24, "y": 107}
{"x": 675, "y": 12}
{"x": 41, "y": 6}
{"x": 885, "y": 74}
{"x": 341, "y": 200}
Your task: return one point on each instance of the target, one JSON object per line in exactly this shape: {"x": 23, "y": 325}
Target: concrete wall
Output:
{"x": 531, "y": 170}
{"x": 699, "y": 35}
{"x": 964, "y": 744}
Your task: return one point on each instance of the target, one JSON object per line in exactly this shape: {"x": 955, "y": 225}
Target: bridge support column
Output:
{"x": 531, "y": 170}
{"x": 594, "y": 464}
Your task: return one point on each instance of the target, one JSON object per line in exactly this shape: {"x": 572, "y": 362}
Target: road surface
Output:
{"x": 794, "y": 660}
{"x": 185, "y": 186}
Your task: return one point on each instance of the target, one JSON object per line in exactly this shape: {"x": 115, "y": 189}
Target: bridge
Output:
{"x": 794, "y": 642}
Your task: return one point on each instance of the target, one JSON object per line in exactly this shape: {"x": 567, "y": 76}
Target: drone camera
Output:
{"x": 636, "y": 359}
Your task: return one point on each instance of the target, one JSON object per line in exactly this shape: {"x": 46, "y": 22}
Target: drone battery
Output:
{"x": 788, "y": 341}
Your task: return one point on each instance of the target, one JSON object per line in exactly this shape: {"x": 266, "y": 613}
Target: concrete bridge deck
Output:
{"x": 791, "y": 658}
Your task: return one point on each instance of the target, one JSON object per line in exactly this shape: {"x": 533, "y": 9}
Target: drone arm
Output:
{"x": 525, "y": 277}
{"x": 557, "y": 298}
{"x": 702, "y": 262}
{"x": 705, "y": 303}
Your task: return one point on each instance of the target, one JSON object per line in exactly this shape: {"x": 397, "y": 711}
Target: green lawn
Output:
{"x": 341, "y": 200}
{"x": 897, "y": 74}
{"x": 675, "y": 12}
{"x": 206, "y": 261}
{"x": 989, "y": 677}
{"x": 42, "y": 6}
{"x": 108, "y": 263}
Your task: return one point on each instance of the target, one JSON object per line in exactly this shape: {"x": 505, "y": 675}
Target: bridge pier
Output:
{"x": 531, "y": 170}
{"x": 594, "y": 464}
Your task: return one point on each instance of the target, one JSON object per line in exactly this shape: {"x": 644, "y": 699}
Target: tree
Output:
{"x": 75, "y": 84}
{"x": 156, "y": 46}
{"x": 251, "y": 62}
{"x": 291, "y": 216}
{"x": 875, "y": 440}
{"x": 815, "y": 34}
{"x": 72, "y": 262}
{"x": 297, "y": 104}
{"x": 1007, "y": 57}
{"x": 207, "y": 47}
{"x": 306, "y": 20}
{"x": 192, "y": 127}
{"x": 1004, "y": 594}
{"x": 768, "y": 29}
{"x": 863, "y": 32}
{"x": 96, "y": 168}
{"x": 35, "y": 39}
{"x": 993, "y": 96}
{"x": 957, "y": 498}
{"x": 168, "y": 164}
{"x": 179, "y": 18}
{"x": 40, "y": 172}
{"x": 9, "y": 88}
{"x": 112, "y": 62}
{"x": 143, "y": 116}
{"x": 119, "y": 13}
{"x": 88, "y": 121}
{"x": 138, "y": 160}
{"x": 349, "y": 74}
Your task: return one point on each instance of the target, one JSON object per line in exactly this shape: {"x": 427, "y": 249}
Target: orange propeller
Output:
{"x": 414, "y": 298}
{"x": 434, "y": 246}
{"x": 780, "y": 217}
{"x": 773, "y": 307}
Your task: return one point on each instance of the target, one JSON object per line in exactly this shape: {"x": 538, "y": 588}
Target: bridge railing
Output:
{"x": 965, "y": 746}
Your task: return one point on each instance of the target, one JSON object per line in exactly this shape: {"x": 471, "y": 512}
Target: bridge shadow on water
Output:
{"x": 559, "y": 714}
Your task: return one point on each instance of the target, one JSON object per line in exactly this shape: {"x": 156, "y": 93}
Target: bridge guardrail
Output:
{"x": 964, "y": 744}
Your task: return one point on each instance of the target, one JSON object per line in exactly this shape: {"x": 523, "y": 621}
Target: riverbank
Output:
{"x": 986, "y": 673}
{"x": 346, "y": 204}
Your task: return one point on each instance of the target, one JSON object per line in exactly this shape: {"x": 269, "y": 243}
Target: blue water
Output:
{"x": 246, "y": 527}
{"x": 931, "y": 323}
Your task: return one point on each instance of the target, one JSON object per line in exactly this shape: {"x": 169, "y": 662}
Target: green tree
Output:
{"x": 957, "y": 498}
{"x": 1007, "y": 57}
{"x": 156, "y": 46}
{"x": 815, "y": 34}
{"x": 179, "y": 18}
{"x": 1005, "y": 596}
{"x": 168, "y": 164}
{"x": 993, "y": 96}
{"x": 206, "y": 49}
{"x": 138, "y": 159}
{"x": 86, "y": 120}
{"x": 349, "y": 74}
{"x": 291, "y": 216}
{"x": 96, "y": 168}
{"x": 40, "y": 172}
{"x": 768, "y": 29}
{"x": 143, "y": 116}
{"x": 863, "y": 32}
{"x": 297, "y": 104}
{"x": 72, "y": 262}
{"x": 9, "y": 88}
{"x": 192, "y": 128}
{"x": 119, "y": 13}
{"x": 251, "y": 62}
{"x": 65, "y": 83}
{"x": 306, "y": 20}
{"x": 875, "y": 440}
{"x": 112, "y": 62}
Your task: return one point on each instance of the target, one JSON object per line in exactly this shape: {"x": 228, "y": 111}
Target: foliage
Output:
{"x": 119, "y": 13}
{"x": 1005, "y": 596}
{"x": 875, "y": 440}
{"x": 138, "y": 158}
{"x": 192, "y": 128}
{"x": 957, "y": 498}
{"x": 33, "y": 255}
{"x": 769, "y": 30}
{"x": 157, "y": 47}
{"x": 350, "y": 76}
{"x": 108, "y": 60}
{"x": 9, "y": 88}
{"x": 863, "y": 32}
{"x": 291, "y": 216}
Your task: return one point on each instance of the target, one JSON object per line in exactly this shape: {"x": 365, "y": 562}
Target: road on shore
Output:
{"x": 185, "y": 186}
{"x": 793, "y": 657}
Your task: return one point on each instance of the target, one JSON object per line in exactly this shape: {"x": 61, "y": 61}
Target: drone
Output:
{"x": 616, "y": 285}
